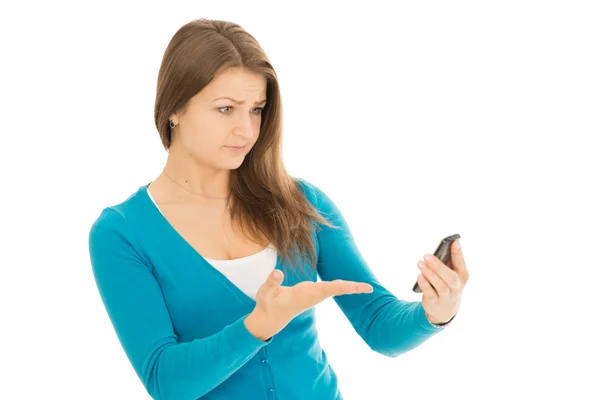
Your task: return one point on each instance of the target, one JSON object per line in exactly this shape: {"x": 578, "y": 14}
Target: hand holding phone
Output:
{"x": 442, "y": 252}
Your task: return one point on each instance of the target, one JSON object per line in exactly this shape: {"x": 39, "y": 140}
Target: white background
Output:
{"x": 420, "y": 120}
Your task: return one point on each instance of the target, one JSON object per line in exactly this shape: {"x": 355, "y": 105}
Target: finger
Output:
{"x": 428, "y": 290}
{"x": 458, "y": 262}
{"x": 340, "y": 287}
{"x": 274, "y": 279}
{"x": 440, "y": 286}
{"x": 449, "y": 276}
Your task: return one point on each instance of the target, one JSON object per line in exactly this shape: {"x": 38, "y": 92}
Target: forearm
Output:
{"x": 192, "y": 369}
{"x": 396, "y": 326}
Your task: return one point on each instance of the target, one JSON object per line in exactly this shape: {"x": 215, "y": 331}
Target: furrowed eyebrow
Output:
{"x": 260, "y": 102}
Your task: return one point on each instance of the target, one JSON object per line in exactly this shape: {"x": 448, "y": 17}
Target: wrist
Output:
{"x": 435, "y": 322}
{"x": 256, "y": 323}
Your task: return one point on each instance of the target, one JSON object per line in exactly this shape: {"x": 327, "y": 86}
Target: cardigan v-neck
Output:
{"x": 246, "y": 273}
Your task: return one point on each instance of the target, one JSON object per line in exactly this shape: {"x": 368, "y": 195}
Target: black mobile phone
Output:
{"x": 442, "y": 252}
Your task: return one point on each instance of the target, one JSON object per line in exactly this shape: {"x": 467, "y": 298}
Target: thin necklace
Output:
{"x": 196, "y": 193}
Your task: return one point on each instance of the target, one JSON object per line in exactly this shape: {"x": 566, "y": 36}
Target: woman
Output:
{"x": 209, "y": 272}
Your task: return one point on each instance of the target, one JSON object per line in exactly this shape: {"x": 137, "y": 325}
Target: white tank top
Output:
{"x": 247, "y": 273}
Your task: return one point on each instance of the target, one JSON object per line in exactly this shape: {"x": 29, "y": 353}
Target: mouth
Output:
{"x": 235, "y": 147}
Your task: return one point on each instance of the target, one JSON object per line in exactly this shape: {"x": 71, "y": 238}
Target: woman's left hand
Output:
{"x": 442, "y": 285}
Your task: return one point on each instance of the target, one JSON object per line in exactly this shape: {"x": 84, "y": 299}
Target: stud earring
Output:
{"x": 171, "y": 124}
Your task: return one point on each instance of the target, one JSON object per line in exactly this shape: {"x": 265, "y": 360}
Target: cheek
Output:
{"x": 205, "y": 136}
{"x": 256, "y": 130}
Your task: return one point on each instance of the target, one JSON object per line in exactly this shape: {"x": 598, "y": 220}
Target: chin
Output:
{"x": 232, "y": 164}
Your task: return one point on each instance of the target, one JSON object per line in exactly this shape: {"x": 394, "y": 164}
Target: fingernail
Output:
{"x": 457, "y": 245}
{"x": 421, "y": 264}
{"x": 428, "y": 257}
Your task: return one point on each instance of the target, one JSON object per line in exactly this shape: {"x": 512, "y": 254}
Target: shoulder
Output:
{"x": 108, "y": 228}
{"x": 112, "y": 222}
{"x": 109, "y": 217}
{"x": 313, "y": 192}
{"x": 317, "y": 196}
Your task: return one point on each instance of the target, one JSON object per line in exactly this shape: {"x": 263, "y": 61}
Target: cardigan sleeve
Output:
{"x": 388, "y": 325}
{"x": 168, "y": 369}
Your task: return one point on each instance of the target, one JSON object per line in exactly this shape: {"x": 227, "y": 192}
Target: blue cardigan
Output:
{"x": 181, "y": 322}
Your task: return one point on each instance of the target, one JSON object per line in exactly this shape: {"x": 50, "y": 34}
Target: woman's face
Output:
{"x": 221, "y": 123}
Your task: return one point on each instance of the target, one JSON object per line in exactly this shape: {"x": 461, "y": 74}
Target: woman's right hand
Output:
{"x": 277, "y": 305}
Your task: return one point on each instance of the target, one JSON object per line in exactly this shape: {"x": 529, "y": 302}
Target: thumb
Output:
{"x": 274, "y": 279}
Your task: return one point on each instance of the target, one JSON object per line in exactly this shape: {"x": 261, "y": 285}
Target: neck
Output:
{"x": 187, "y": 174}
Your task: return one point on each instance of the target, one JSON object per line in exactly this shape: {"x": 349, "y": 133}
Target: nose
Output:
{"x": 244, "y": 127}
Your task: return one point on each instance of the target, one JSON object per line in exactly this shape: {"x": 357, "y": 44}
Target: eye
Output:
{"x": 223, "y": 108}
{"x": 227, "y": 109}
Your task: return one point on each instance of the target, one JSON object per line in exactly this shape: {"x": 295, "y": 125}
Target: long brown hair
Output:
{"x": 264, "y": 198}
